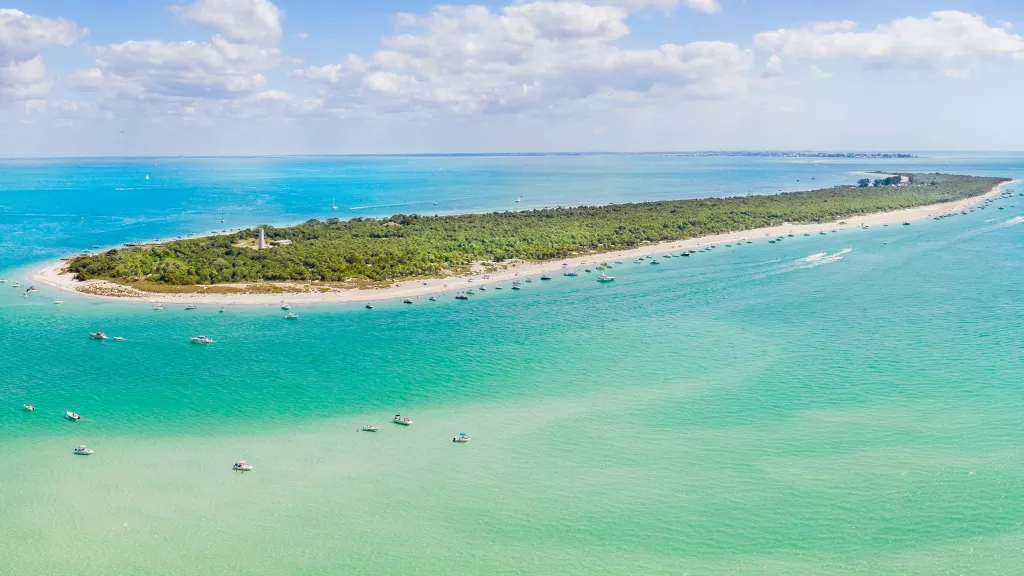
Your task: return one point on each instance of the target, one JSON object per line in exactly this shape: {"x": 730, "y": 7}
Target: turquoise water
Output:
{"x": 756, "y": 410}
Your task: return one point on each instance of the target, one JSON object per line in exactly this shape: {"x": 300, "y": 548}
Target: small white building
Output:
{"x": 281, "y": 242}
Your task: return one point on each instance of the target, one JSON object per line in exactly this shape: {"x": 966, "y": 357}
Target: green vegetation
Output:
{"x": 409, "y": 246}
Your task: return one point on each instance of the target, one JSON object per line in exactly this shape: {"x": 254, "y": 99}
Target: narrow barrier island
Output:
{"x": 402, "y": 247}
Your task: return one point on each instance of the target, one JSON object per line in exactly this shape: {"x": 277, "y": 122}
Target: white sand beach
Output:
{"x": 52, "y": 275}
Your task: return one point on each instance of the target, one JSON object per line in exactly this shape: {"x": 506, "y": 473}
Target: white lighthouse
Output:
{"x": 263, "y": 242}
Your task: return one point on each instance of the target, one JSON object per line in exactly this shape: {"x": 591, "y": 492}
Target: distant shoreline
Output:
{"x": 411, "y": 289}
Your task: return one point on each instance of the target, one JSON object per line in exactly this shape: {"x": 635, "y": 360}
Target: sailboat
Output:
{"x": 335, "y": 206}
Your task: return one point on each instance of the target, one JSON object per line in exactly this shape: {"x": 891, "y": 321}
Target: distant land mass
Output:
{"x": 407, "y": 246}
{"x": 808, "y": 154}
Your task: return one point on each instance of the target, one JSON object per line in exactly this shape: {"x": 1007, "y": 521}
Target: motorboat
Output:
{"x": 72, "y": 416}
{"x": 286, "y": 307}
{"x": 528, "y": 280}
{"x": 655, "y": 262}
{"x": 462, "y": 437}
{"x": 545, "y": 277}
{"x": 403, "y": 420}
{"x": 97, "y": 335}
{"x": 242, "y": 466}
{"x": 292, "y": 316}
{"x": 498, "y": 288}
{"x": 461, "y": 297}
{"x": 33, "y": 288}
{"x": 482, "y": 288}
{"x": 191, "y": 307}
{"x": 571, "y": 274}
{"x": 470, "y": 292}
{"x": 407, "y": 301}
{"x": 433, "y": 299}
{"x": 30, "y": 408}
{"x": 369, "y": 306}
{"x": 4, "y": 280}
{"x": 83, "y": 450}
{"x": 370, "y": 428}
{"x": 158, "y": 307}
{"x": 605, "y": 278}
{"x": 118, "y": 339}
{"x": 515, "y": 287}
{"x": 222, "y": 310}
{"x": 16, "y": 285}
{"x": 58, "y": 302}
{"x": 201, "y": 340}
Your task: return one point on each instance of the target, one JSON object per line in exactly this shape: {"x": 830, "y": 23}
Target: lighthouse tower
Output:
{"x": 263, "y": 242}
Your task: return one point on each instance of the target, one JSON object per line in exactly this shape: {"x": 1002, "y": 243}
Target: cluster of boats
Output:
{"x": 406, "y": 421}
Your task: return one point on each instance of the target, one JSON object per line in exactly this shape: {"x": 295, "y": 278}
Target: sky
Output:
{"x": 245, "y": 77}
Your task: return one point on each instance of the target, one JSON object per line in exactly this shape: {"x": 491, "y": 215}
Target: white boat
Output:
{"x": 222, "y": 310}
{"x": 369, "y": 307}
{"x": 370, "y": 428}
{"x": 118, "y": 338}
{"x": 605, "y": 278}
{"x": 30, "y": 408}
{"x": 407, "y": 301}
{"x": 16, "y": 285}
{"x": 655, "y": 262}
{"x": 433, "y": 299}
{"x": 58, "y": 302}
{"x": 242, "y": 466}
{"x": 83, "y": 450}
{"x": 291, "y": 316}
{"x": 201, "y": 340}
{"x": 462, "y": 437}
{"x": 72, "y": 416}
{"x": 97, "y": 335}
{"x": 31, "y": 289}
{"x": 191, "y": 307}
{"x": 403, "y": 420}
{"x": 286, "y": 307}
{"x": 4, "y": 280}
{"x": 158, "y": 307}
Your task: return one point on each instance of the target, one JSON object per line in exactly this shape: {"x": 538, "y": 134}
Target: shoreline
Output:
{"x": 51, "y": 276}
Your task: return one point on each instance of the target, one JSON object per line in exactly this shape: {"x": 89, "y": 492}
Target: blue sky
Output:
{"x": 118, "y": 77}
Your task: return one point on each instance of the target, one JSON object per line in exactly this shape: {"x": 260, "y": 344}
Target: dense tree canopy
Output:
{"x": 405, "y": 246}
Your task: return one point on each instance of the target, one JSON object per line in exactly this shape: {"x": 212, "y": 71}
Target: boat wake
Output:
{"x": 822, "y": 258}
{"x": 1011, "y": 222}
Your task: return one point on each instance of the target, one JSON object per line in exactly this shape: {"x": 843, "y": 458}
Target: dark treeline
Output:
{"x": 406, "y": 246}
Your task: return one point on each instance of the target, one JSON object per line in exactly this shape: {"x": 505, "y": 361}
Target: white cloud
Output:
{"x": 22, "y": 39}
{"x": 706, "y": 6}
{"x": 931, "y": 42}
{"x": 302, "y": 36}
{"x": 23, "y": 36}
{"x": 251, "y": 21}
{"x": 773, "y": 67}
{"x": 530, "y": 55}
{"x": 217, "y": 69}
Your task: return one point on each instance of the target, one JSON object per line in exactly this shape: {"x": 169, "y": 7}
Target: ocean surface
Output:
{"x": 829, "y": 405}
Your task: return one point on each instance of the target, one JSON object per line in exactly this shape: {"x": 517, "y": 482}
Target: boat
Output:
{"x": 286, "y": 307}
{"x": 97, "y": 335}
{"x": 470, "y": 292}
{"x": 461, "y": 297}
{"x": 158, "y": 307}
{"x": 618, "y": 261}
{"x": 771, "y": 241}
{"x": 498, "y": 288}
{"x": 605, "y": 278}
{"x": 528, "y": 280}
{"x": 95, "y": 246}
{"x": 72, "y": 416}
{"x": 587, "y": 270}
{"x": 83, "y": 450}
{"x": 201, "y": 340}
{"x": 30, "y": 408}
{"x": 515, "y": 287}
{"x": 191, "y": 307}
{"x": 686, "y": 254}
{"x": 571, "y": 274}
{"x": 4, "y": 280}
{"x": 407, "y": 301}
{"x": 33, "y": 288}
{"x": 432, "y": 299}
{"x": 118, "y": 339}
{"x": 16, "y": 285}
{"x": 655, "y": 262}
{"x": 906, "y": 223}
{"x": 58, "y": 302}
{"x": 291, "y": 316}
{"x": 242, "y": 466}
{"x": 462, "y": 437}
{"x": 403, "y": 420}
{"x": 369, "y": 306}
{"x": 482, "y": 288}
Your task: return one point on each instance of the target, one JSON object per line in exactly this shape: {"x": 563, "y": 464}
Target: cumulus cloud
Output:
{"x": 526, "y": 55}
{"x": 250, "y": 21}
{"x": 22, "y": 38}
{"x": 706, "y": 6}
{"x": 773, "y": 67}
{"x": 931, "y": 42}
{"x": 156, "y": 69}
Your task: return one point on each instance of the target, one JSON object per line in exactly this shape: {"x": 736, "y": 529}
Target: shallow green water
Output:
{"x": 853, "y": 413}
